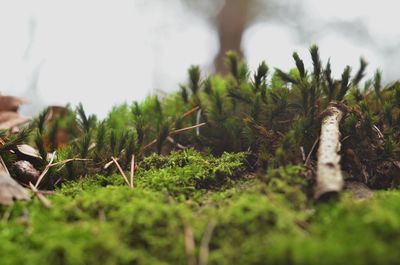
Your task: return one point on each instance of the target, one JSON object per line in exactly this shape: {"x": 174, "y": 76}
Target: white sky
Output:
{"x": 104, "y": 52}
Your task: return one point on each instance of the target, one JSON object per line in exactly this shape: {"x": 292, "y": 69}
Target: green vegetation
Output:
{"x": 273, "y": 118}
{"x": 102, "y": 221}
{"x": 228, "y": 159}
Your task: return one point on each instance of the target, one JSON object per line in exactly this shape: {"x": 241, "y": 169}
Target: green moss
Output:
{"x": 188, "y": 173}
{"x": 259, "y": 219}
{"x": 90, "y": 223}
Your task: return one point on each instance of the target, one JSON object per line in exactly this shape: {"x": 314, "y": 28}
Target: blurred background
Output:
{"x": 106, "y": 52}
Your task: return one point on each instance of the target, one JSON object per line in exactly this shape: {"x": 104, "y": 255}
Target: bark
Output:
{"x": 231, "y": 23}
{"x": 329, "y": 175}
{"x": 10, "y": 190}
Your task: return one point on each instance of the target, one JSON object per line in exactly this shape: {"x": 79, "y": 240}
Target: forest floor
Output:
{"x": 195, "y": 209}
{"x": 246, "y": 168}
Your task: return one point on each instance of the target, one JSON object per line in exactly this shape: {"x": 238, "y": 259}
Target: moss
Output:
{"x": 109, "y": 225}
{"x": 90, "y": 223}
{"x": 289, "y": 182}
{"x": 188, "y": 173}
{"x": 259, "y": 219}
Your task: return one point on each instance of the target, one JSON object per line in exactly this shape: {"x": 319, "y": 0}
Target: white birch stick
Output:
{"x": 329, "y": 174}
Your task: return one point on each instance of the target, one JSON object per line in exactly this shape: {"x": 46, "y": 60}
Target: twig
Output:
{"x": 380, "y": 134}
{"x": 285, "y": 121}
{"x": 69, "y": 160}
{"x": 176, "y": 132}
{"x": 132, "y": 169}
{"x": 198, "y": 117}
{"x": 280, "y": 134}
{"x": 186, "y": 114}
{"x": 172, "y": 141}
{"x": 187, "y": 128}
{"x": 40, "y": 196}
{"x": 45, "y": 170}
{"x": 345, "y": 138}
{"x": 44, "y": 192}
{"x": 329, "y": 175}
{"x": 205, "y": 243}
{"x": 303, "y": 155}
{"x": 190, "y": 245}
{"x": 110, "y": 163}
{"x": 150, "y": 144}
{"x": 311, "y": 151}
{"x": 190, "y": 112}
{"x": 120, "y": 170}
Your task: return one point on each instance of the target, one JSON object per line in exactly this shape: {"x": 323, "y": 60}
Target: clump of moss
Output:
{"x": 103, "y": 225}
{"x": 188, "y": 172}
{"x": 100, "y": 220}
{"x": 182, "y": 174}
{"x": 289, "y": 182}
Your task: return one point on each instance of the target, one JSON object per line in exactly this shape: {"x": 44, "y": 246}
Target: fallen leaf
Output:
{"x": 9, "y": 119}
{"x": 10, "y": 103}
{"x": 10, "y": 190}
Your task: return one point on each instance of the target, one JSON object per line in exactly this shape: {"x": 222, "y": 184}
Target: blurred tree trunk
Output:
{"x": 231, "y": 23}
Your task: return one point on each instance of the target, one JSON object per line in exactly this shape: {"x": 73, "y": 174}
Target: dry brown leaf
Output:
{"x": 28, "y": 151}
{"x": 9, "y": 119}
{"x": 10, "y": 103}
{"x": 10, "y": 190}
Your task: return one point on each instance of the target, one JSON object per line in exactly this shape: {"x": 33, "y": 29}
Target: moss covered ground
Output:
{"x": 225, "y": 174}
{"x": 234, "y": 217}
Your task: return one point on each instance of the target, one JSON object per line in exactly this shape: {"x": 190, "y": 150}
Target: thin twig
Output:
{"x": 120, "y": 170}
{"x": 40, "y": 196}
{"x": 345, "y": 138}
{"x": 132, "y": 169}
{"x": 150, "y": 144}
{"x": 176, "y": 132}
{"x": 190, "y": 112}
{"x": 187, "y": 128}
{"x": 44, "y": 192}
{"x": 45, "y": 170}
{"x": 172, "y": 141}
{"x": 186, "y": 114}
{"x": 285, "y": 121}
{"x": 311, "y": 151}
{"x": 303, "y": 155}
{"x": 198, "y": 117}
{"x": 69, "y": 160}
{"x": 380, "y": 134}
{"x": 110, "y": 163}
{"x": 205, "y": 243}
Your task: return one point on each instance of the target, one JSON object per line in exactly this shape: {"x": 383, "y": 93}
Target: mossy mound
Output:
{"x": 257, "y": 220}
